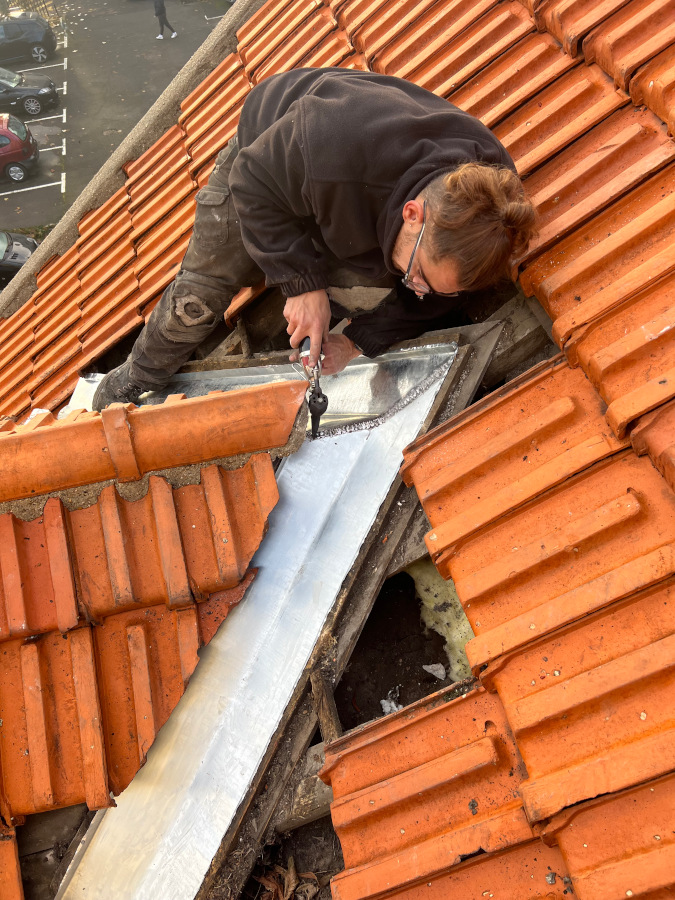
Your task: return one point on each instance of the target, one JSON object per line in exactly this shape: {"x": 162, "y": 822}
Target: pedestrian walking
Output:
{"x": 163, "y": 22}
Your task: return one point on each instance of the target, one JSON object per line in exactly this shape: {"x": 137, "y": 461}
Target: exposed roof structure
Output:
{"x": 551, "y": 501}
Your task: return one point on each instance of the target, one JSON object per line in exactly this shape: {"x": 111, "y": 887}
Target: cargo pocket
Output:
{"x": 212, "y": 227}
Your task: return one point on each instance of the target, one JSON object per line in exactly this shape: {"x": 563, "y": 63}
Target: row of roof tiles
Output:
{"x": 486, "y": 57}
{"x": 105, "y": 602}
{"x": 442, "y": 780}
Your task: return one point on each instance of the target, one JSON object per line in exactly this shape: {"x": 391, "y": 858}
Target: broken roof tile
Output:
{"x": 596, "y": 170}
{"x": 590, "y": 705}
{"x": 517, "y": 75}
{"x": 655, "y": 434}
{"x": 570, "y": 20}
{"x": 474, "y": 469}
{"x": 621, "y": 845}
{"x": 629, "y": 353}
{"x": 639, "y": 31}
{"x": 126, "y": 442}
{"x": 558, "y": 115}
{"x": 269, "y": 28}
{"x": 589, "y": 542}
{"x": 292, "y": 52}
{"x": 436, "y": 783}
{"x": 654, "y": 85}
{"x": 440, "y": 59}
{"x": 621, "y": 250}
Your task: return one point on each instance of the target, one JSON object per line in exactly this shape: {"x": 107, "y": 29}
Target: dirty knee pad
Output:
{"x": 191, "y": 319}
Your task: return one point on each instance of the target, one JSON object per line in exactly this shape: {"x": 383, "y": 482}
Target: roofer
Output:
{"x": 338, "y": 183}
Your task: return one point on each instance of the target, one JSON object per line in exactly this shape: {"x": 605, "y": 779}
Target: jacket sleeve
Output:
{"x": 403, "y": 317}
{"x": 272, "y": 195}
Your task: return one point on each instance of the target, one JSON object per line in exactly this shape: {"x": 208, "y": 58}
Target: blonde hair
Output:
{"x": 480, "y": 218}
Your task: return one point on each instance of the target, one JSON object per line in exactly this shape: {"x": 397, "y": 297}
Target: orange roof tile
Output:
{"x": 620, "y": 846}
{"x": 272, "y": 26}
{"x": 591, "y": 541}
{"x": 505, "y": 451}
{"x": 620, "y": 251}
{"x": 440, "y": 58}
{"x": 11, "y": 887}
{"x": 570, "y": 20}
{"x": 333, "y": 50}
{"x": 605, "y": 163}
{"x": 654, "y": 85}
{"x": 640, "y": 30}
{"x": 629, "y": 353}
{"x": 518, "y": 74}
{"x": 558, "y": 115}
{"x": 294, "y": 50}
{"x": 443, "y": 776}
{"x": 126, "y": 442}
{"x": 655, "y": 435}
{"x": 223, "y": 97}
{"x": 590, "y": 705}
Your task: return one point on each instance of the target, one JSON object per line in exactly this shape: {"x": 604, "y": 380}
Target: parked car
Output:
{"x": 27, "y": 93}
{"x": 15, "y": 249}
{"x": 18, "y": 148}
{"x": 25, "y": 36}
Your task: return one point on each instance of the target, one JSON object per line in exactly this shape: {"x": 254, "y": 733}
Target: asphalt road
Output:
{"x": 109, "y": 68}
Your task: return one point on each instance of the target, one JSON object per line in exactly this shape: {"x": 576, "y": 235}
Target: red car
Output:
{"x": 18, "y": 148}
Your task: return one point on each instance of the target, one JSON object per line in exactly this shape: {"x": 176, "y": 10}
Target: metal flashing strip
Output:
{"x": 367, "y": 387}
{"x": 201, "y": 766}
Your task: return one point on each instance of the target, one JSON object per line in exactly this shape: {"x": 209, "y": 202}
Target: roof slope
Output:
{"x": 105, "y": 599}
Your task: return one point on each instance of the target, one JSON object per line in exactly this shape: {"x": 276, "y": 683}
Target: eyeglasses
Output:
{"x": 417, "y": 286}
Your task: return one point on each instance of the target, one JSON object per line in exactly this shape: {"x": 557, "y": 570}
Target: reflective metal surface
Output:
{"x": 201, "y": 765}
{"x": 365, "y": 389}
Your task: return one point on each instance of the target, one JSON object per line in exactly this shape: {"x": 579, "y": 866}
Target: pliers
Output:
{"x": 316, "y": 400}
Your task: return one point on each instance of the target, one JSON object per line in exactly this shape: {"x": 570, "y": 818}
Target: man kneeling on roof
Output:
{"x": 338, "y": 183}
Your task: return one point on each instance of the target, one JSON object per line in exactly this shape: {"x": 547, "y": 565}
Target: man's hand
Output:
{"x": 338, "y": 350}
{"x": 308, "y": 315}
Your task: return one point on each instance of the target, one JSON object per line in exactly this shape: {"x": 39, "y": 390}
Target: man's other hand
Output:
{"x": 308, "y": 315}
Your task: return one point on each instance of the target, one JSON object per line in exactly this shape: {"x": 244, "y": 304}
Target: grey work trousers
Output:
{"x": 215, "y": 267}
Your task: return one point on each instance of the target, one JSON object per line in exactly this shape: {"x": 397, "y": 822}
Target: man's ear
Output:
{"x": 413, "y": 213}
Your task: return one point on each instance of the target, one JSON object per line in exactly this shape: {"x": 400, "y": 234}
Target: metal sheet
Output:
{"x": 366, "y": 388}
{"x": 204, "y": 759}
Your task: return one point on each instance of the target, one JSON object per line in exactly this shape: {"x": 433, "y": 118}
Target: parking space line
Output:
{"x": 63, "y": 119}
{"x": 61, "y": 149}
{"x": 38, "y": 187}
{"x": 210, "y": 18}
{"x": 48, "y": 118}
{"x": 61, "y": 65}
{"x": 64, "y": 88}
